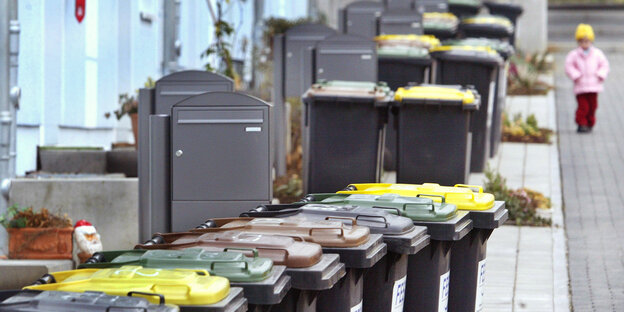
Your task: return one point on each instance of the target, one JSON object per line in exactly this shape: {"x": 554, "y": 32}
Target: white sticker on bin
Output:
{"x": 398, "y": 294}
{"x": 444, "y": 292}
{"x": 357, "y": 307}
{"x": 480, "y": 286}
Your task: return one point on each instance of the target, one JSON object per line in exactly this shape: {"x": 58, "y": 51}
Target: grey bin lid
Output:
{"x": 309, "y": 31}
{"x": 61, "y": 301}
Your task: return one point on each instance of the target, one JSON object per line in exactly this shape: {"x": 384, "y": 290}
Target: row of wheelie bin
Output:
{"x": 369, "y": 247}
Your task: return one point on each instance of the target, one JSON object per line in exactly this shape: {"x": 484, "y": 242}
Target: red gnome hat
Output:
{"x": 82, "y": 222}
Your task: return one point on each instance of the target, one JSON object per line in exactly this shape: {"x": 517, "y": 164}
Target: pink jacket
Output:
{"x": 587, "y": 71}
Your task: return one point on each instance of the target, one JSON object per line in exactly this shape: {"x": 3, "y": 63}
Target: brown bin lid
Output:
{"x": 327, "y": 233}
{"x": 282, "y": 250}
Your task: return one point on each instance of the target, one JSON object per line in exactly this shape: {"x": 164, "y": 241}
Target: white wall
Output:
{"x": 72, "y": 73}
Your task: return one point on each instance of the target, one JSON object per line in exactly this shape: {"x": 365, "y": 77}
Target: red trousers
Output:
{"x": 586, "y": 110}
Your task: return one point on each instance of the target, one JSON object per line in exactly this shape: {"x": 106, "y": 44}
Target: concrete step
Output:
{"x": 19, "y": 273}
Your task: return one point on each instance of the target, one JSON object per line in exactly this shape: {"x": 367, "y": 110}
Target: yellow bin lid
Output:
{"x": 461, "y": 195}
{"x": 180, "y": 286}
{"x": 499, "y": 20}
{"x": 485, "y": 49}
{"x": 426, "y": 39}
{"x": 433, "y": 92}
{"x": 439, "y": 15}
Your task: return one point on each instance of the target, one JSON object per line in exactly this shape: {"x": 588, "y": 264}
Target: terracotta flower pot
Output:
{"x": 135, "y": 128}
{"x": 40, "y": 243}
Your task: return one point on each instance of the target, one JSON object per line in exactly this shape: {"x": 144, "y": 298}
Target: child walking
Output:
{"x": 588, "y": 67}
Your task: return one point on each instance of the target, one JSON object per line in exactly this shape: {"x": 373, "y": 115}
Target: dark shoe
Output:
{"x": 583, "y": 129}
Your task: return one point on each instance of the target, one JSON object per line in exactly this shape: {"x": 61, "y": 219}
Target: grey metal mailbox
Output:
{"x": 220, "y": 155}
{"x": 154, "y": 138}
{"x": 299, "y": 42}
{"x": 400, "y": 4}
{"x": 360, "y": 18}
{"x": 346, "y": 57}
{"x": 423, "y": 6}
{"x": 400, "y": 22}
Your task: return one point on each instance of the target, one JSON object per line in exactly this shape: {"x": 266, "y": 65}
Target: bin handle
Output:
{"x": 385, "y": 221}
{"x": 353, "y": 221}
{"x": 253, "y": 250}
{"x": 318, "y": 229}
{"x": 108, "y": 309}
{"x": 286, "y": 254}
{"x": 478, "y": 187}
{"x": 398, "y": 211}
{"x": 161, "y": 298}
{"x": 432, "y": 195}
{"x": 450, "y": 194}
{"x": 245, "y": 268}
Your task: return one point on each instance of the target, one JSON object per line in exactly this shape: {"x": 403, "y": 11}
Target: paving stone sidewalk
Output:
{"x": 592, "y": 168}
{"x": 527, "y": 267}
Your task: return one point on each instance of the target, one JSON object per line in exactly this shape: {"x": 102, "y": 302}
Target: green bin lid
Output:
{"x": 232, "y": 265}
{"x": 415, "y": 208}
{"x": 502, "y": 47}
{"x": 402, "y": 52}
{"x": 483, "y": 55}
{"x": 472, "y": 3}
{"x": 489, "y": 20}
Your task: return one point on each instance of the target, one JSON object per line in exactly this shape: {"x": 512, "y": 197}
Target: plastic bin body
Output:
{"x": 384, "y": 283}
{"x": 475, "y": 66}
{"x": 397, "y": 70}
{"x": 505, "y": 50}
{"x": 433, "y": 129}
{"x": 61, "y": 301}
{"x": 463, "y": 8}
{"x": 343, "y": 129}
{"x": 428, "y": 270}
{"x": 360, "y": 18}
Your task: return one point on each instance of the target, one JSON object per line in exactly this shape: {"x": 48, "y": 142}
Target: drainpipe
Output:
{"x": 15, "y": 90}
{"x": 171, "y": 41}
{"x": 5, "y": 103}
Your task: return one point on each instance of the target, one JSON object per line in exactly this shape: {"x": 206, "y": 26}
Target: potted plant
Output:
{"x": 129, "y": 105}
{"x": 37, "y": 235}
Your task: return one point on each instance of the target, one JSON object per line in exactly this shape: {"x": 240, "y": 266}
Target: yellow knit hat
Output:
{"x": 584, "y": 31}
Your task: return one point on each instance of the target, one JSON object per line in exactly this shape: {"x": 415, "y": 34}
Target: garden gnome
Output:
{"x": 87, "y": 239}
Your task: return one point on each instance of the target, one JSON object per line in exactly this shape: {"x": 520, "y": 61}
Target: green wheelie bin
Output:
{"x": 433, "y": 124}
{"x": 428, "y": 271}
{"x": 384, "y": 283}
{"x": 476, "y": 66}
{"x": 263, "y": 283}
{"x": 468, "y": 256}
{"x": 505, "y": 50}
